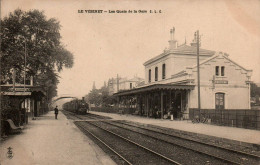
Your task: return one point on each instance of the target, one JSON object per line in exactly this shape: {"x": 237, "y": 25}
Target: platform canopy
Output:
{"x": 154, "y": 87}
{"x": 17, "y": 93}
{"x": 22, "y": 91}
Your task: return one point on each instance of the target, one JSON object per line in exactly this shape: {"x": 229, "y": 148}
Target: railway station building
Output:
{"x": 123, "y": 83}
{"x": 171, "y": 83}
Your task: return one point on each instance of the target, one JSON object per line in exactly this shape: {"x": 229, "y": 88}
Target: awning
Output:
{"x": 16, "y": 93}
{"x": 154, "y": 87}
{"x": 21, "y": 90}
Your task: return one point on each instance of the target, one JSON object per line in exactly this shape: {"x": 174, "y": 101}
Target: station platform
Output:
{"x": 232, "y": 134}
{"x": 46, "y": 141}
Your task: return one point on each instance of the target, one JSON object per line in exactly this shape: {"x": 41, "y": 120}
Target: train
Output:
{"x": 77, "y": 106}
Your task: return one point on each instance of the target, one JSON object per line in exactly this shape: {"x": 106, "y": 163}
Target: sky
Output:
{"x": 107, "y": 44}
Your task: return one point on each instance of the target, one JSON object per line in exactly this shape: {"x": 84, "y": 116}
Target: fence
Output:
{"x": 249, "y": 119}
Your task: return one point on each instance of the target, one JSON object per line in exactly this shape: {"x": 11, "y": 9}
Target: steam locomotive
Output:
{"x": 77, "y": 106}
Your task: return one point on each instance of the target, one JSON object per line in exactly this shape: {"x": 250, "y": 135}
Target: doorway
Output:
{"x": 220, "y": 100}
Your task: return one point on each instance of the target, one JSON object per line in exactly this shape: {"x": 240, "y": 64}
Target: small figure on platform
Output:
{"x": 171, "y": 112}
{"x": 56, "y": 111}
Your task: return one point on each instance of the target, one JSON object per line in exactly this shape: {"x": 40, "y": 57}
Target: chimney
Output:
{"x": 172, "y": 41}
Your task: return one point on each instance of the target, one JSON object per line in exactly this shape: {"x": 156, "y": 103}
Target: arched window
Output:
{"x": 150, "y": 74}
{"x": 220, "y": 100}
{"x": 156, "y": 74}
{"x": 163, "y": 71}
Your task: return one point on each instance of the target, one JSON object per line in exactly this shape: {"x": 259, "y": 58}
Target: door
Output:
{"x": 220, "y": 100}
{"x": 35, "y": 108}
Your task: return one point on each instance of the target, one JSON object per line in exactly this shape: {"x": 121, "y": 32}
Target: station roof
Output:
{"x": 192, "y": 50}
{"x": 182, "y": 50}
{"x": 154, "y": 87}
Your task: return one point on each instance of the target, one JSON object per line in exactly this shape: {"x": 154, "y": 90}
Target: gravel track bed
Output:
{"x": 111, "y": 154}
{"x": 90, "y": 117}
{"x": 172, "y": 151}
{"x": 132, "y": 153}
{"x": 206, "y": 139}
{"x": 240, "y": 158}
{"x": 70, "y": 115}
{"x": 98, "y": 116}
{"x": 73, "y": 116}
{"x": 159, "y": 131}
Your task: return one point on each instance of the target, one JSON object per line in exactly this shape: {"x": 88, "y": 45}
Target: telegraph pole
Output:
{"x": 14, "y": 77}
{"x": 198, "y": 69}
{"x": 24, "y": 76}
{"x": 24, "y": 80}
{"x": 0, "y": 84}
{"x": 117, "y": 83}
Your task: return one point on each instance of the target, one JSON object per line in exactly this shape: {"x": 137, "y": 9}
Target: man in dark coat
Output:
{"x": 56, "y": 111}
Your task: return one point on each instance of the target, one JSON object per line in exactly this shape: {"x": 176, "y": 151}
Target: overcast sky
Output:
{"x": 107, "y": 44}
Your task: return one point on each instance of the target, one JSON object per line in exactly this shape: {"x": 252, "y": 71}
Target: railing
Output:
{"x": 249, "y": 119}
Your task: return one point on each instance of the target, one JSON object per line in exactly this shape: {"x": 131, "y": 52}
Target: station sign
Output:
{"x": 221, "y": 81}
{"x": 19, "y": 89}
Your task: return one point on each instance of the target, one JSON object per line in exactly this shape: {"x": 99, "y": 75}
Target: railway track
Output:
{"x": 177, "y": 154}
{"x": 88, "y": 116}
{"x": 170, "y": 145}
{"x": 70, "y": 115}
{"x": 129, "y": 151}
{"x": 176, "y": 134}
{"x": 218, "y": 152}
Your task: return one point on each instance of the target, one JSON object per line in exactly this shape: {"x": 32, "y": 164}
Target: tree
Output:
{"x": 255, "y": 90}
{"x": 32, "y": 32}
{"x": 100, "y": 96}
{"x": 95, "y": 97}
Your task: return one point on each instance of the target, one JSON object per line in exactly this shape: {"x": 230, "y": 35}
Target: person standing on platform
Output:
{"x": 56, "y": 111}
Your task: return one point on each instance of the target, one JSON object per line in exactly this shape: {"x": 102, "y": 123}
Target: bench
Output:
{"x": 13, "y": 127}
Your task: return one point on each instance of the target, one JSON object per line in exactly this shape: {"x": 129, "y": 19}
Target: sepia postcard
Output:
{"x": 130, "y": 82}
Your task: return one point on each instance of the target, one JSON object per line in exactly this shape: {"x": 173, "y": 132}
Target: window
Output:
{"x": 150, "y": 73}
{"x": 220, "y": 100}
{"x": 156, "y": 74}
{"x": 222, "y": 71}
{"x": 131, "y": 85}
{"x": 163, "y": 71}
{"x": 217, "y": 71}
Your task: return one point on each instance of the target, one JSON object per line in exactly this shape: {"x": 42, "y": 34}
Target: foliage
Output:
{"x": 100, "y": 97}
{"x": 95, "y": 97}
{"x": 39, "y": 37}
{"x": 255, "y": 90}
{"x": 9, "y": 106}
